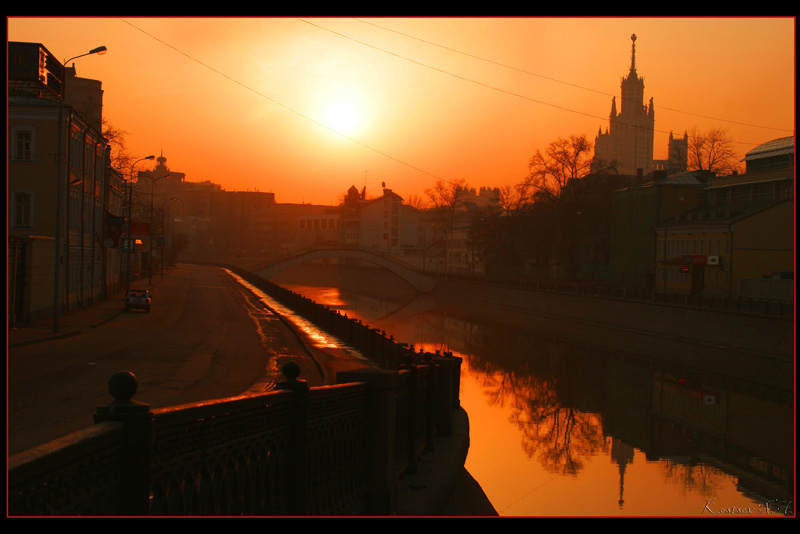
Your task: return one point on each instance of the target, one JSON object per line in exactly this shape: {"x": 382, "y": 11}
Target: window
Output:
{"x": 23, "y": 204}
{"x": 23, "y": 140}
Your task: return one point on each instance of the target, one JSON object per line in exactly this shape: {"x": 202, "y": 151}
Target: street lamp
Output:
{"x": 100, "y": 50}
{"x": 152, "y": 192}
{"x": 130, "y": 216}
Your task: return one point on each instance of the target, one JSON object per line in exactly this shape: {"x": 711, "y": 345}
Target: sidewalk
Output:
{"x": 75, "y": 322}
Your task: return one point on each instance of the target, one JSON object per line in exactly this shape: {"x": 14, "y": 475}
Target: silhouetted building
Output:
{"x": 628, "y": 140}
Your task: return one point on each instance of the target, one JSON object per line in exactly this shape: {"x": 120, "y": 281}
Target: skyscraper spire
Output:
{"x": 629, "y": 141}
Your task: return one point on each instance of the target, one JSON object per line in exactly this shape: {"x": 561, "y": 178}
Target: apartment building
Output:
{"x": 740, "y": 240}
{"x": 64, "y": 202}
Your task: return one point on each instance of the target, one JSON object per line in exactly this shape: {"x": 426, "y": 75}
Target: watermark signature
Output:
{"x": 772, "y": 507}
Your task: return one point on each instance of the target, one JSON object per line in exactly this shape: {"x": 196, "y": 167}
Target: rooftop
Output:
{"x": 776, "y": 147}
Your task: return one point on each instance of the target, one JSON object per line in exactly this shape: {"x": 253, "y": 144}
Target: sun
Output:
{"x": 341, "y": 109}
{"x": 342, "y": 116}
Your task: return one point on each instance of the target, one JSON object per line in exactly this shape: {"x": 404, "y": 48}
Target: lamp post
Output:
{"x": 129, "y": 237}
{"x": 152, "y": 192}
{"x": 100, "y": 50}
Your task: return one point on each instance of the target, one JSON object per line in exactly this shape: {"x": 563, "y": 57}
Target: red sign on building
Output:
{"x": 140, "y": 229}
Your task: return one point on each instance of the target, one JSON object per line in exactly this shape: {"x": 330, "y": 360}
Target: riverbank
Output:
{"x": 758, "y": 350}
{"x": 508, "y": 369}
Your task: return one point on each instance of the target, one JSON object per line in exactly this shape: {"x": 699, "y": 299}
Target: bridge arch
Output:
{"x": 423, "y": 283}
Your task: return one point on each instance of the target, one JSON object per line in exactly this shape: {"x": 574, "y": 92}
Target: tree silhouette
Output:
{"x": 712, "y": 151}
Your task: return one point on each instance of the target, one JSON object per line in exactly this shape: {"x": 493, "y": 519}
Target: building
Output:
{"x": 628, "y": 140}
{"x": 740, "y": 241}
{"x": 64, "y": 201}
{"x": 210, "y": 223}
{"x": 383, "y": 224}
{"x": 636, "y": 210}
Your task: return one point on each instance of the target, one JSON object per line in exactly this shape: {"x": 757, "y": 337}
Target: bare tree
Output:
{"x": 447, "y": 196}
{"x": 416, "y": 201}
{"x": 563, "y": 163}
{"x": 556, "y": 182}
{"x": 121, "y": 159}
{"x": 712, "y": 151}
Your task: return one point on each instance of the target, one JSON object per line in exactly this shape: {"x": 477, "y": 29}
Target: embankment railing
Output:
{"x": 295, "y": 451}
{"x": 298, "y": 450}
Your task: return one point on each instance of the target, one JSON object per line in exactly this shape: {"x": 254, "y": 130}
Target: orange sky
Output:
{"x": 245, "y": 102}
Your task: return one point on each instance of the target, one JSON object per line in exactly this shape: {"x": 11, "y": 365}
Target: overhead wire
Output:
{"x": 419, "y": 63}
{"x": 284, "y": 106}
{"x": 637, "y": 126}
{"x": 525, "y": 71}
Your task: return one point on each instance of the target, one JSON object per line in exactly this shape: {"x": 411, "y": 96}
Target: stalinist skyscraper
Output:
{"x": 629, "y": 137}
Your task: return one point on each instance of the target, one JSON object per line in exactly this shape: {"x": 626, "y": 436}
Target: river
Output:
{"x": 558, "y": 429}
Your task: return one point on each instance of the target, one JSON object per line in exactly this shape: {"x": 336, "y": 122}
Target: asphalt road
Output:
{"x": 206, "y": 337}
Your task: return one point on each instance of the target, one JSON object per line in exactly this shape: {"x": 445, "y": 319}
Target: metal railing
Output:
{"x": 297, "y": 450}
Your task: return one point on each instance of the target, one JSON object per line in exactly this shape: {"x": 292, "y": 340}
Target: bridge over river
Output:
{"x": 421, "y": 282}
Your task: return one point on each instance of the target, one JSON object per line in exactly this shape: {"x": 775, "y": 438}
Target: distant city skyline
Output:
{"x": 255, "y": 103}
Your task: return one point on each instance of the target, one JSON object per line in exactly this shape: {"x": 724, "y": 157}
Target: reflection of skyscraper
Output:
{"x": 629, "y": 138}
{"x": 622, "y": 455}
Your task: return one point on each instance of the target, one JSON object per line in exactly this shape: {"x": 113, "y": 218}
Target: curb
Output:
{"x": 64, "y": 335}
{"x": 43, "y": 339}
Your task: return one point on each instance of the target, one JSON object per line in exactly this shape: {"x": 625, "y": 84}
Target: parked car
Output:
{"x": 137, "y": 299}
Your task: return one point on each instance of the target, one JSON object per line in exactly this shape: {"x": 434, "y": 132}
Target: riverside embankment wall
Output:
{"x": 757, "y": 348}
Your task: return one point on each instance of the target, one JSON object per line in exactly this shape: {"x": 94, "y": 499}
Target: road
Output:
{"x": 206, "y": 337}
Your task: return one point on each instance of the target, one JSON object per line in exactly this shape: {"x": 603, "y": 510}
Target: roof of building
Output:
{"x": 770, "y": 175}
{"x": 776, "y": 147}
{"x": 720, "y": 215}
{"x": 683, "y": 178}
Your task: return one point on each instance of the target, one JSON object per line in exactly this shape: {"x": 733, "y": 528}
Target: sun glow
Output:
{"x": 341, "y": 110}
{"x": 342, "y": 117}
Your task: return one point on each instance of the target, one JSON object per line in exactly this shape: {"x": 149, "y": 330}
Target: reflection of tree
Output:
{"x": 703, "y": 479}
{"x": 560, "y": 436}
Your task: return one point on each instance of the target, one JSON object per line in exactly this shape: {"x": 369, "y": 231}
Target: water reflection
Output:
{"x": 564, "y": 430}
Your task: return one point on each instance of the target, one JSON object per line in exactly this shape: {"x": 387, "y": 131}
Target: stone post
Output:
{"x": 413, "y": 424}
{"x": 381, "y": 425}
{"x": 299, "y": 437}
{"x": 448, "y": 391}
{"x": 136, "y": 445}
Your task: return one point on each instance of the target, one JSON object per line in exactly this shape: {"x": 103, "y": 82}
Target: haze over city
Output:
{"x": 307, "y": 107}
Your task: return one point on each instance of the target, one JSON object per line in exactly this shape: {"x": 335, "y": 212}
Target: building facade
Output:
{"x": 63, "y": 198}
{"x": 636, "y": 210}
{"x": 740, "y": 241}
{"x": 383, "y": 224}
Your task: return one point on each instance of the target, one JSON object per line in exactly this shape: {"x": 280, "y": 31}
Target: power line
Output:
{"x": 524, "y": 71}
{"x": 477, "y": 82}
{"x": 510, "y": 92}
{"x": 452, "y": 74}
{"x": 216, "y": 71}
